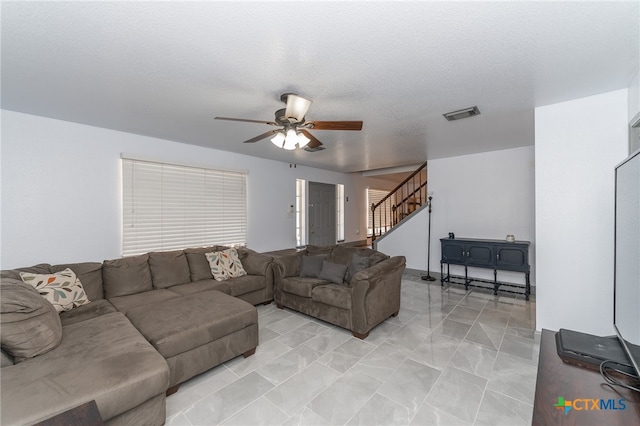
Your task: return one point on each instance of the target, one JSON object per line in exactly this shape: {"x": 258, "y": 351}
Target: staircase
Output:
{"x": 403, "y": 200}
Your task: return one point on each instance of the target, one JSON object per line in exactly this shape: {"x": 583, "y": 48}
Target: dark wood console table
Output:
{"x": 557, "y": 379}
{"x": 490, "y": 254}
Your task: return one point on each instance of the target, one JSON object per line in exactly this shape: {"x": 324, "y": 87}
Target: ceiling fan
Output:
{"x": 294, "y": 128}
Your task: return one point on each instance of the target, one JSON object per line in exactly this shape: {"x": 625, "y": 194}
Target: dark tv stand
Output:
{"x": 559, "y": 379}
{"x": 490, "y": 254}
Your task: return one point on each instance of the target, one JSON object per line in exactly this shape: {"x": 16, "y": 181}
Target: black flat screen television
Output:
{"x": 626, "y": 307}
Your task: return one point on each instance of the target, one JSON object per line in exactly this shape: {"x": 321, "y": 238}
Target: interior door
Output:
{"x": 322, "y": 214}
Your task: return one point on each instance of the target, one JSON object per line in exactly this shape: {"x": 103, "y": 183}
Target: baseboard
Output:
{"x": 419, "y": 273}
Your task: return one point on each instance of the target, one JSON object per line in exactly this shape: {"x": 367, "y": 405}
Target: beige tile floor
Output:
{"x": 451, "y": 357}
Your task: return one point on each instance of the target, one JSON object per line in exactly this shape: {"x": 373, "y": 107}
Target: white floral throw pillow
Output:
{"x": 62, "y": 289}
{"x": 225, "y": 264}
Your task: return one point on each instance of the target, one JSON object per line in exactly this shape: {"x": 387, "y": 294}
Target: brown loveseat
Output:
{"x": 354, "y": 288}
{"x": 154, "y": 321}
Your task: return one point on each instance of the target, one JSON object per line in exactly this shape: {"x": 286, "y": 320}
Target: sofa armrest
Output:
{"x": 254, "y": 263}
{"x": 289, "y": 265}
{"x": 283, "y": 267}
{"x": 376, "y": 293}
{"x": 378, "y": 269}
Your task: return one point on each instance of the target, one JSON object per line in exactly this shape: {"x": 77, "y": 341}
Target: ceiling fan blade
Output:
{"x": 313, "y": 142}
{"x": 262, "y": 136}
{"x": 271, "y": 123}
{"x": 336, "y": 125}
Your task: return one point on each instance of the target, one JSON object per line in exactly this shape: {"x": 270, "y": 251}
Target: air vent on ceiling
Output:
{"x": 317, "y": 148}
{"x": 463, "y": 113}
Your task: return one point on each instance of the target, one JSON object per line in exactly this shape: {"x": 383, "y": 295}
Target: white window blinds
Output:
{"x": 340, "y": 211}
{"x": 168, "y": 207}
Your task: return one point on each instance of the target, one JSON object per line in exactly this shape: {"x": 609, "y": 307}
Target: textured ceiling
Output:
{"x": 165, "y": 69}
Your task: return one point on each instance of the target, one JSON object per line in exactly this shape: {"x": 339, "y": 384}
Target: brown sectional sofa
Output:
{"x": 154, "y": 321}
{"x": 358, "y": 296}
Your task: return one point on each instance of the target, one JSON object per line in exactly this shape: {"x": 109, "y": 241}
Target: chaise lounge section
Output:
{"x": 154, "y": 321}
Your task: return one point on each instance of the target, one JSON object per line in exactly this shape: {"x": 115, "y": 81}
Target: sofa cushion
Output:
{"x": 374, "y": 256}
{"x": 301, "y": 286}
{"x": 198, "y": 264}
{"x": 128, "y": 275}
{"x": 62, "y": 289}
{"x": 174, "y": 328}
{"x": 310, "y": 266}
{"x": 333, "y": 272}
{"x": 30, "y": 324}
{"x": 246, "y": 284}
{"x": 94, "y": 309}
{"x": 225, "y": 264}
{"x": 41, "y": 268}
{"x": 103, "y": 359}
{"x": 169, "y": 268}
{"x": 253, "y": 262}
{"x": 290, "y": 264}
{"x": 89, "y": 274}
{"x": 319, "y": 250}
{"x": 200, "y": 286}
{"x": 132, "y": 301}
{"x": 5, "y": 359}
{"x": 358, "y": 263}
{"x": 342, "y": 254}
{"x": 332, "y": 294}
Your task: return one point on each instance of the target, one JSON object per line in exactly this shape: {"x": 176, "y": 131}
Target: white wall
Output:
{"x": 486, "y": 195}
{"x": 578, "y": 144}
{"x": 61, "y": 199}
{"x": 633, "y": 103}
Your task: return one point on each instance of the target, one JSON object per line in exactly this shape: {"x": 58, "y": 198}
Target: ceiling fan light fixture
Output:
{"x": 303, "y": 140}
{"x": 292, "y": 131}
{"x": 297, "y": 107}
{"x": 278, "y": 139}
{"x": 290, "y": 140}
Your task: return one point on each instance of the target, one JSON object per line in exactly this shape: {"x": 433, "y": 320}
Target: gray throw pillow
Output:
{"x": 30, "y": 324}
{"x": 311, "y": 266}
{"x": 333, "y": 272}
{"x": 358, "y": 263}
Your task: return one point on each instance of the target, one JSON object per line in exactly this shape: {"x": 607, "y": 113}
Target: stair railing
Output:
{"x": 399, "y": 202}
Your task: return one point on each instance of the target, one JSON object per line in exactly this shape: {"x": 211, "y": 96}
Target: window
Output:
{"x": 340, "y": 212}
{"x": 300, "y": 213}
{"x": 169, "y": 207}
{"x": 382, "y": 221}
